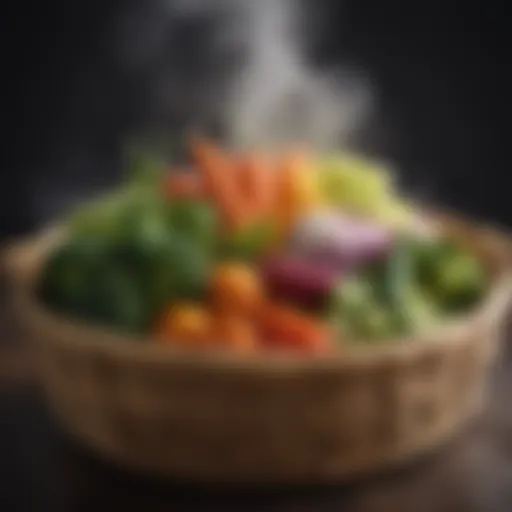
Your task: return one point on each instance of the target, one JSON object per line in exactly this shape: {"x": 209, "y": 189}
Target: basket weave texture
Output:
{"x": 216, "y": 418}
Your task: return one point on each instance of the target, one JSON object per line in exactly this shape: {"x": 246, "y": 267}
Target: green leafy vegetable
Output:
{"x": 196, "y": 221}
{"x": 450, "y": 274}
{"x": 81, "y": 280}
{"x": 420, "y": 282}
{"x": 128, "y": 256}
{"x": 357, "y": 312}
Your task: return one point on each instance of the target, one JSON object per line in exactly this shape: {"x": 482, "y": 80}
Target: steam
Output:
{"x": 276, "y": 98}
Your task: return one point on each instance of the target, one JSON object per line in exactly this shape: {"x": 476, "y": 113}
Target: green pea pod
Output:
{"x": 399, "y": 282}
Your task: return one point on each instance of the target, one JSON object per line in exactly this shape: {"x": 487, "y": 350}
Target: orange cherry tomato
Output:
{"x": 187, "y": 325}
{"x": 237, "y": 289}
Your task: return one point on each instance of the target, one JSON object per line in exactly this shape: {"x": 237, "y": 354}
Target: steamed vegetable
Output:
{"x": 365, "y": 188}
{"x": 249, "y": 243}
{"x": 410, "y": 307}
{"x": 196, "y": 221}
{"x": 285, "y": 328}
{"x": 147, "y": 253}
{"x": 339, "y": 240}
{"x": 250, "y": 253}
{"x": 297, "y": 191}
{"x": 420, "y": 282}
{"x": 243, "y": 191}
{"x": 356, "y": 313}
{"x": 460, "y": 282}
{"x": 236, "y": 288}
{"x": 169, "y": 263}
{"x": 258, "y": 184}
{"x": 456, "y": 278}
{"x": 82, "y": 280}
{"x": 188, "y": 325}
{"x": 300, "y": 281}
{"x": 376, "y": 303}
{"x": 218, "y": 172}
{"x": 354, "y": 184}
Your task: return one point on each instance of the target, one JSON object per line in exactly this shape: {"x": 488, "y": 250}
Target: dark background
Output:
{"x": 439, "y": 69}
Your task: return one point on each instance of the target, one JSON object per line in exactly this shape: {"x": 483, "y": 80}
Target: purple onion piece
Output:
{"x": 299, "y": 280}
{"x": 341, "y": 242}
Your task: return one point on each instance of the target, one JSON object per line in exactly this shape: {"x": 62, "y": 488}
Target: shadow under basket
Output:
{"x": 216, "y": 418}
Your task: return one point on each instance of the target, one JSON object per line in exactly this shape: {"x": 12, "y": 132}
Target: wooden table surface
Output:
{"x": 40, "y": 469}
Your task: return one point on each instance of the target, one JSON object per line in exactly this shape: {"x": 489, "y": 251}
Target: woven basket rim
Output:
{"x": 88, "y": 337}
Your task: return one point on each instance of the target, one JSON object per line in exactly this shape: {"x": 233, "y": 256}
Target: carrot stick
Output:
{"x": 258, "y": 183}
{"x": 219, "y": 177}
{"x": 285, "y": 327}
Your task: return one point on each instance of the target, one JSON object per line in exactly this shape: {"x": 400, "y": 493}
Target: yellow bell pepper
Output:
{"x": 298, "y": 191}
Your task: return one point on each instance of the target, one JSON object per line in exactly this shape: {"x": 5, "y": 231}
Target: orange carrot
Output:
{"x": 258, "y": 183}
{"x": 218, "y": 172}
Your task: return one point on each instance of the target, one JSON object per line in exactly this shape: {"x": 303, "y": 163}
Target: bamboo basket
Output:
{"x": 216, "y": 418}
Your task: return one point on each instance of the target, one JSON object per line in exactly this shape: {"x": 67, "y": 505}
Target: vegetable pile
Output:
{"x": 256, "y": 253}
